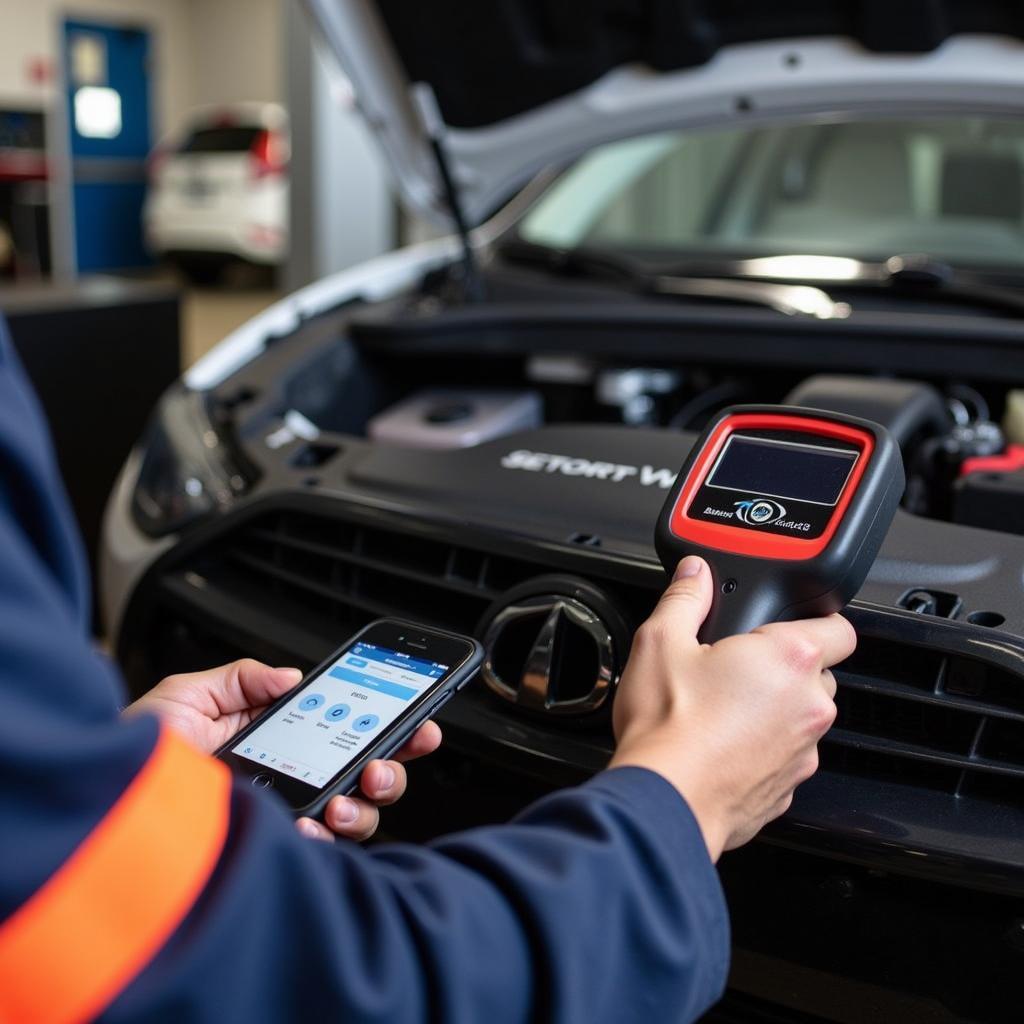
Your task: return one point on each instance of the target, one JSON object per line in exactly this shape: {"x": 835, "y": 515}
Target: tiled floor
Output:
{"x": 208, "y": 314}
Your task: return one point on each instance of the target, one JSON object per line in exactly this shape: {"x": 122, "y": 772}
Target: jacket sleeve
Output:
{"x": 598, "y": 904}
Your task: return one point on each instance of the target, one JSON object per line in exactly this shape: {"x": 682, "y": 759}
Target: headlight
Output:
{"x": 188, "y": 468}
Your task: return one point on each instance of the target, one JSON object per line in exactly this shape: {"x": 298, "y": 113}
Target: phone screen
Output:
{"x": 328, "y": 723}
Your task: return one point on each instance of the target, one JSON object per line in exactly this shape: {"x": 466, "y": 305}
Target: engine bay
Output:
{"x": 567, "y": 429}
{"x": 442, "y": 463}
{"x": 962, "y": 437}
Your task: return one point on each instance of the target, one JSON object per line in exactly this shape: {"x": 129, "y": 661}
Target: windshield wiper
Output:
{"x": 788, "y": 299}
{"x": 913, "y": 276}
{"x": 921, "y": 275}
{"x": 574, "y": 262}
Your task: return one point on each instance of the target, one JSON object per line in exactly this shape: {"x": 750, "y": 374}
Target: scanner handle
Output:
{"x": 737, "y": 609}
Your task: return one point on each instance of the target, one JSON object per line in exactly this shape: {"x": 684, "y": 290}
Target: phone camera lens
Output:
{"x": 729, "y": 587}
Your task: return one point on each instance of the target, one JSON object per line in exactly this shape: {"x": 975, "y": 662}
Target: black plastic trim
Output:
{"x": 956, "y": 839}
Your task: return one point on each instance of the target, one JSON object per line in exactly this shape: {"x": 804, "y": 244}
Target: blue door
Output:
{"x": 107, "y": 74}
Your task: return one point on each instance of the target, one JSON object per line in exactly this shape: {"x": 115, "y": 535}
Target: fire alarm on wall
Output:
{"x": 39, "y": 70}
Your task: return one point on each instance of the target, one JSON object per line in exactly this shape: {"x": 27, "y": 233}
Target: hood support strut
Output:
{"x": 426, "y": 103}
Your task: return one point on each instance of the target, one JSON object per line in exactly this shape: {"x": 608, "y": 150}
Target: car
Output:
{"x": 218, "y": 190}
{"x": 656, "y": 211}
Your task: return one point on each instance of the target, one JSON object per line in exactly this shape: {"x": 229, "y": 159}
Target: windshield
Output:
{"x": 953, "y": 188}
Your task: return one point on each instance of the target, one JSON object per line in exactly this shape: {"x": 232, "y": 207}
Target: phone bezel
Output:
{"x": 409, "y": 638}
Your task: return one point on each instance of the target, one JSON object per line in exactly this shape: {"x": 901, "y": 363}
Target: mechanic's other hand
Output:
{"x": 382, "y": 783}
{"x": 208, "y": 708}
{"x": 734, "y": 726}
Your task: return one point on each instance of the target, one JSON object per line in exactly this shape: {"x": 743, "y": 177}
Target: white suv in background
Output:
{"x": 219, "y": 190}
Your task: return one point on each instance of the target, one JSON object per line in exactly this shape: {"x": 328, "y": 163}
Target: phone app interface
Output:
{"x": 329, "y": 722}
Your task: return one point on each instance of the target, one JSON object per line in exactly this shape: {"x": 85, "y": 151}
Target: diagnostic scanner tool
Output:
{"x": 789, "y": 506}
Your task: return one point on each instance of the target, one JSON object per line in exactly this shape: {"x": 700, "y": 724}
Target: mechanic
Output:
{"x": 139, "y": 883}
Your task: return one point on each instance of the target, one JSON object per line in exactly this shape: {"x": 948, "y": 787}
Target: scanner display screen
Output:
{"x": 783, "y": 469}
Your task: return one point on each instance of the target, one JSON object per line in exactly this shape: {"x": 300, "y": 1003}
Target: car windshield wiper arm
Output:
{"x": 913, "y": 275}
{"x": 576, "y": 261}
{"x": 790, "y": 300}
{"x": 920, "y": 275}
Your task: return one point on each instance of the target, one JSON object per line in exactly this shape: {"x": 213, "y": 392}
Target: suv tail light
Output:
{"x": 155, "y": 163}
{"x": 268, "y": 154}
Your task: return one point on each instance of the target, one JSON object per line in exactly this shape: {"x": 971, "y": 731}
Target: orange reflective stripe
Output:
{"x": 69, "y": 950}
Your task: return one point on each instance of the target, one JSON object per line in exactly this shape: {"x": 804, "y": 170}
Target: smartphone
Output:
{"x": 363, "y": 702}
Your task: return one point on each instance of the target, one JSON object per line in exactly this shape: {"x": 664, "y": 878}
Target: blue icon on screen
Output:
{"x": 357, "y": 662}
{"x": 311, "y": 702}
{"x": 364, "y": 723}
{"x": 336, "y": 712}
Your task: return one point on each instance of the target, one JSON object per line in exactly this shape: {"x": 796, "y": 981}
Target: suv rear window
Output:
{"x": 233, "y": 139}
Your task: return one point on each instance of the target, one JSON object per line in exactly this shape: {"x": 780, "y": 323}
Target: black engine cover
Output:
{"x": 605, "y": 482}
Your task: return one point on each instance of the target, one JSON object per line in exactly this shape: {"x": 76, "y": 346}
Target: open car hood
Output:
{"x": 514, "y": 86}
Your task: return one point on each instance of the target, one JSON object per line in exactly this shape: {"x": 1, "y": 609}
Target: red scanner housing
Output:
{"x": 745, "y": 541}
{"x": 788, "y": 505}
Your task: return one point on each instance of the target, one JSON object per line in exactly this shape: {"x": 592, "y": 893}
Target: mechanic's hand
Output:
{"x": 208, "y": 708}
{"x": 733, "y": 726}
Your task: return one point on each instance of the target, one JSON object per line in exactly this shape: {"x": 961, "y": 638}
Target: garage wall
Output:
{"x": 30, "y": 32}
{"x": 232, "y": 41}
{"x": 205, "y": 51}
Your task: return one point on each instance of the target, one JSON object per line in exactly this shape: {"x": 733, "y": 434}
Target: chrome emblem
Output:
{"x": 528, "y": 642}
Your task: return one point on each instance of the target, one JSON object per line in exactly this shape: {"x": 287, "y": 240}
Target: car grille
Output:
{"x": 934, "y": 717}
{"x": 343, "y": 573}
{"x": 943, "y": 715}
